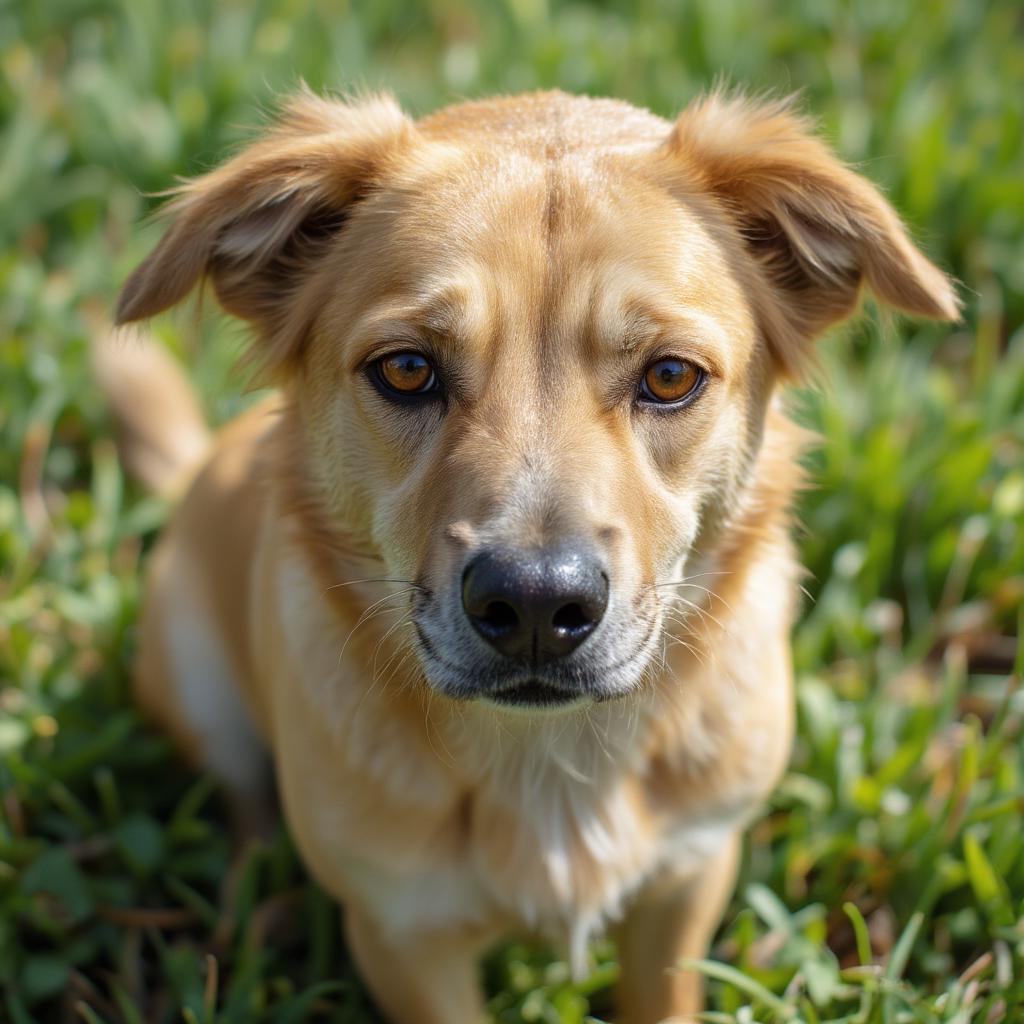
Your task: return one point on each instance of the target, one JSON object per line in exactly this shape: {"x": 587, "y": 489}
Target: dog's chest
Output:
{"x": 567, "y": 859}
{"x": 540, "y": 846}
{"x": 562, "y": 862}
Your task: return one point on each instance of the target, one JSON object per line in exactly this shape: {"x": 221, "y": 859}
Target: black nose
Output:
{"x": 539, "y": 605}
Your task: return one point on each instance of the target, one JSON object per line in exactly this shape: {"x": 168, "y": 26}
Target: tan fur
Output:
{"x": 543, "y": 249}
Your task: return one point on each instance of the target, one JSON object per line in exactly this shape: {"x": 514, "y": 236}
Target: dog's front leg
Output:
{"x": 674, "y": 917}
{"x": 429, "y": 978}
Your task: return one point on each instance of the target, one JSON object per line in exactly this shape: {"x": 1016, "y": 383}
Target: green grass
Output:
{"x": 885, "y": 881}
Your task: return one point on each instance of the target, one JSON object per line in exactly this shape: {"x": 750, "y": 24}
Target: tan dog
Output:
{"x": 526, "y": 352}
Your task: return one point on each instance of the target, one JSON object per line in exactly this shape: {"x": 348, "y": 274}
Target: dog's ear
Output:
{"x": 253, "y": 225}
{"x": 818, "y": 230}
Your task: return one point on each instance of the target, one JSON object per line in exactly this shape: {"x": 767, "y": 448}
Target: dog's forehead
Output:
{"x": 583, "y": 245}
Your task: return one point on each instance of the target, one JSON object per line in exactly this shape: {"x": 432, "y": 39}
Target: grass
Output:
{"x": 885, "y": 881}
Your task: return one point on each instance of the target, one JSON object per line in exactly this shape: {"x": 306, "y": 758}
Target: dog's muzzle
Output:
{"x": 534, "y": 627}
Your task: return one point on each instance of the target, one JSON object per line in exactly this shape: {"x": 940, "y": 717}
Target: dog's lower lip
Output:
{"x": 532, "y": 692}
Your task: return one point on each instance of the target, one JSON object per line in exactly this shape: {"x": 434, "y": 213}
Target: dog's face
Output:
{"x": 539, "y": 385}
{"x": 532, "y": 347}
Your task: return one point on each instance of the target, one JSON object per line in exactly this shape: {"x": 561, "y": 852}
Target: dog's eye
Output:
{"x": 406, "y": 373}
{"x": 670, "y": 381}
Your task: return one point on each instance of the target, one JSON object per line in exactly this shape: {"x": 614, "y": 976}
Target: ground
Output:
{"x": 885, "y": 880}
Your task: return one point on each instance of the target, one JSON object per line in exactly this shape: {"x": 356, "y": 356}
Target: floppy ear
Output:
{"x": 818, "y": 230}
{"x": 254, "y": 225}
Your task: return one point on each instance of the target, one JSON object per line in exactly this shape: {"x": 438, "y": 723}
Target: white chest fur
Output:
{"x": 557, "y": 852}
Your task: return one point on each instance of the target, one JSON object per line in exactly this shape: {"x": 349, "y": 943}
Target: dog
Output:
{"x": 501, "y": 577}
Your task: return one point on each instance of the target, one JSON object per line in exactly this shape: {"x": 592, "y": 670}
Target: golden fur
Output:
{"x": 545, "y": 248}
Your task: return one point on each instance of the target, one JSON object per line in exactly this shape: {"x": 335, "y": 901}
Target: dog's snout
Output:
{"x": 539, "y": 605}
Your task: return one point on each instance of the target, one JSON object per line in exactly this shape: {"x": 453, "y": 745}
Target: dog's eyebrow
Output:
{"x": 623, "y": 315}
{"x": 442, "y": 313}
{"x": 624, "y": 324}
{"x": 636, "y": 328}
{"x": 629, "y": 326}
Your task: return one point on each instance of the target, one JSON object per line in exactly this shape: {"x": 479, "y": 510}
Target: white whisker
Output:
{"x": 370, "y": 613}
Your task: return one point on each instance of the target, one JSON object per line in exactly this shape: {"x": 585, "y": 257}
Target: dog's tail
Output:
{"x": 162, "y": 432}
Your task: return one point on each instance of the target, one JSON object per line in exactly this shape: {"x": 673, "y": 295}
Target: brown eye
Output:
{"x": 669, "y": 381}
{"x": 407, "y": 373}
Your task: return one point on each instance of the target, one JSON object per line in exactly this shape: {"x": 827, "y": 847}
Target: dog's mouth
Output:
{"x": 533, "y": 693}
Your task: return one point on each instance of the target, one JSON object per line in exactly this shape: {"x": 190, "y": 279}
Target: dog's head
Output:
{"x": 531, "y": 343}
